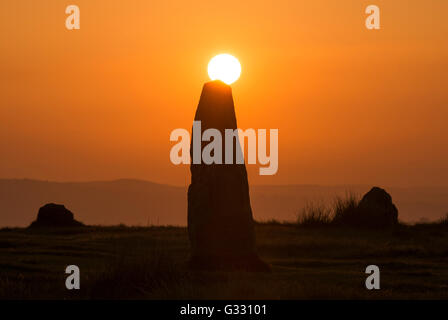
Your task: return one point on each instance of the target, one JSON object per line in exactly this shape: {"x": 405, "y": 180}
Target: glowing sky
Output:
{"x": 353, "y": 106}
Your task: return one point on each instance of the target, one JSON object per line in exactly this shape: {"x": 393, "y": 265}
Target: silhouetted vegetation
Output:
{"x": 374, "y": 210}
{"x": 342, "y": 211}
{"x": 315, "y": 214}
{"x": 346, "y": 210}
{"x": 444, "y": 220}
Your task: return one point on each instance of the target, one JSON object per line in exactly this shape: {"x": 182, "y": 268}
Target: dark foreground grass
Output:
{"x": 150, "y": 263}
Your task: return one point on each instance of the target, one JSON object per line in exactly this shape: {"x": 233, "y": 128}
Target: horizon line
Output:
{"x": 254, "y": 185}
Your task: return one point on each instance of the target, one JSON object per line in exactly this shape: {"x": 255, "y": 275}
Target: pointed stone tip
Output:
{"x": 216, "y": 108}
{"x": 217, "y": 85}
{"x": 217, "y": 91}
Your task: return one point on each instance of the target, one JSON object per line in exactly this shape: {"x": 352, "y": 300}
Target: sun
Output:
{"x": 224, "y": 67}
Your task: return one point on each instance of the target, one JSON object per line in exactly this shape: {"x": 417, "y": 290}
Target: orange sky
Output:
{"x": 352, "y": 106}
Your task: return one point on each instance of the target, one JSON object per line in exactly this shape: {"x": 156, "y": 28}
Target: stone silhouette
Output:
{"x": 377, "y": 208}
{"x": 55, "y": 215}
{"x": 220, "y": 223}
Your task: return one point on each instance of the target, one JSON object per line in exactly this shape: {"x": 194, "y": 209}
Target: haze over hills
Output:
{"x": 137, "y": 202}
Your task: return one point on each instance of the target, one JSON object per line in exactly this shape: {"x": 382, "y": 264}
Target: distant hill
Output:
{"x": 136, "y": 202}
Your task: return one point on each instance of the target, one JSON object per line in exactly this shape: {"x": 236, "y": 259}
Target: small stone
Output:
{"x": 377, "y": 208}
{"x": 55, "y": 215}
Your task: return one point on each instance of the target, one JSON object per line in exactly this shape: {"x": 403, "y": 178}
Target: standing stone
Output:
{"x": 377, "y": 209}
{"x": 220, "y": 223}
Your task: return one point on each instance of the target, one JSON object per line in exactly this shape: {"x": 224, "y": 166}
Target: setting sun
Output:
{"x": 224, "y": 67}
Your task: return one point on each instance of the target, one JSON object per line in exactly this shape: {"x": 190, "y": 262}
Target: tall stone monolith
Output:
{"x": 220, "y": 223}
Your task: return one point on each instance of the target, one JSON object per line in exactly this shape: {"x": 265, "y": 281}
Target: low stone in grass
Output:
{"x": 55, "y": 215}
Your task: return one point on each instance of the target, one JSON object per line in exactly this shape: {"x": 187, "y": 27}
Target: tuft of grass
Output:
{"x": 343, "y": 211}
{"x": 273, "y": 222}
{"x": 444, "y": 221}
{"x": 315, "y": 214}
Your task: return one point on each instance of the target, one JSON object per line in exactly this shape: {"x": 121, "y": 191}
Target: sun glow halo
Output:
{"x": 224, "y": 67}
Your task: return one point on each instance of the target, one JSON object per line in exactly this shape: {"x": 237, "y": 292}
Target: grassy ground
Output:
{"x": 150, "y": 263}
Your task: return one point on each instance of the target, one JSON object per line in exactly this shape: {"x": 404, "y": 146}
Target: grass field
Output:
{"x": 150, "y": 263}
